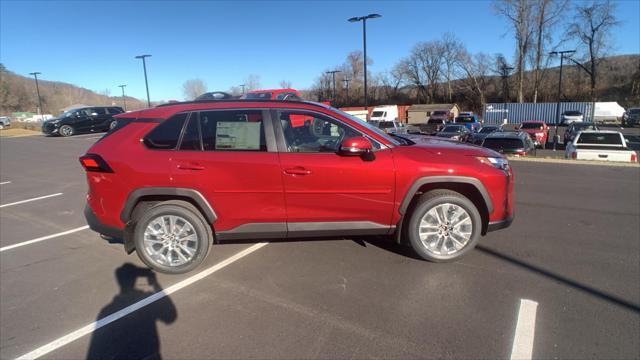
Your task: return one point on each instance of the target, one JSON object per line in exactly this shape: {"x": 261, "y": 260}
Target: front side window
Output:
{"x": 313, "y": 133}
{"x": 165, "y": 136}
{"x": 234, "y": 130}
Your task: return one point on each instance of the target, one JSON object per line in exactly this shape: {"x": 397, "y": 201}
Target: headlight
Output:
{"x": 54, "y": 122}
{"x": 539, "y": 134}
{"x": 456, "y": 137}
{"x": 496, "y": 162}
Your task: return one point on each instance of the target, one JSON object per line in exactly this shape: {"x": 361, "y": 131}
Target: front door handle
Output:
{"x": 190, "y": 167}
{"x": 297, "y": 171}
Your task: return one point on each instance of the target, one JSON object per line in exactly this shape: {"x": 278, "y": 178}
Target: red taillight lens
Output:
{"x": 93, "y": 162}
{"x": 634, "y": 157}
{"x": 574, "y": 155}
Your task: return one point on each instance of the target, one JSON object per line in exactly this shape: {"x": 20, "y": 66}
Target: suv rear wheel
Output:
{"x": 172, "y": 237}
{"x": 66, "y": 130}
{"x": 444, "y": 226}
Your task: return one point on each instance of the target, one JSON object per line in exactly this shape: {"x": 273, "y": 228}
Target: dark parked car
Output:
{"x": 478, "y": 137}
{"x": 631, "y": 117}
{"x": 575, "y": 128}
{"x": 510, "y": 143}
{"x": 455, "y": 132}
{"x": 82, "y": 120}
{"x": 192, "y": 181}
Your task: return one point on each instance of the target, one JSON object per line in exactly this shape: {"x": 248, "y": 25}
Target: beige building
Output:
{"x": 419, "y": 113}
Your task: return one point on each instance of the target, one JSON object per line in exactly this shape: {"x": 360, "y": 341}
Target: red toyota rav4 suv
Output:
{"x": 171, "y": 180}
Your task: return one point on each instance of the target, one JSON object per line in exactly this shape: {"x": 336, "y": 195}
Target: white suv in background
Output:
{"x": 571, "y": 116}
{"x": 4, "y": 122}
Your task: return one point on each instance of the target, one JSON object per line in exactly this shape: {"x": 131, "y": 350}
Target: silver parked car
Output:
{"x": 571, "y": 116}
{"x": 5, "y": 122}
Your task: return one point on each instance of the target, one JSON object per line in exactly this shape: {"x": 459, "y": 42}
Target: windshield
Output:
{"x": 438, "y": 113}
{"x": 262, "y": 96}
{"x": 451, "y": 128}
{"x": 488, "y": 129}
{"x": 378, "y": 114}
{"x": 538, "y": 126}
{"x": 366, "y": 125}
{"x": 435, "y": 121}
{"x": 634, "y": 111}
{"x": 572, "y": 113}
{"x": 503, "y": 144}
{"x": 465, "y": 119}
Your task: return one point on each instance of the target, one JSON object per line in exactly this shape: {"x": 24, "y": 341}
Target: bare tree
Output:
{"x": 423, "y": 68}
{"x": 453, "y": 49}
{"x": 519, "y": 14}
{"x": 546, "y": 14}
{"x": 252, "y": 82}
{"x": 391, "y": 81}
{"x": 475, "y": 72}
{"x": 193, "y": 88}
{"x": 591, "y": 27}
{"x": 285, "y": 84}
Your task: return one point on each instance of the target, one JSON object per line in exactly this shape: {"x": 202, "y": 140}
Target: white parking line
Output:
{"x": 29, "y": 200}
{"x": 525, "y": 330}
{"x": 5, "y": 182}
{"x": 9, "y": 247}
{"x": 60, "y": 342}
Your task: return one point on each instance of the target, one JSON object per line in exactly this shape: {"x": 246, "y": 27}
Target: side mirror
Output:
{"x": 355, "y": 146}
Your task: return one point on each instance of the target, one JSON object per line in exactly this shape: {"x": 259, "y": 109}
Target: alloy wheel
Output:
{"x": 445, "y": 229}
{"x": 170, "y": 240}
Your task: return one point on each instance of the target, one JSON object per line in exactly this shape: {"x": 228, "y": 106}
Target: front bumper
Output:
{"x": 49, "y": 129}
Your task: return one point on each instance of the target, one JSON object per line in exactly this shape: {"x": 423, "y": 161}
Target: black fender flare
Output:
{"x": 196, "y": 196}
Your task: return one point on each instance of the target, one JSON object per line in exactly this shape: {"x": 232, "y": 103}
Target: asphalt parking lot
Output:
{"x": 561, "y": 282}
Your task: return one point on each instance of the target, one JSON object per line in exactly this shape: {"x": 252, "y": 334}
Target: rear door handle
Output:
{"x": 190, "y": 167}
{"x": 297, "y": 171}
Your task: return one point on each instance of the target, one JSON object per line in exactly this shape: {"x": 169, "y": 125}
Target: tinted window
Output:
{"x": 439, "y": 113}
{"x": 99, "y": 111}
{"x": 487, "y": 130}
{"x": 634, "y": 111}
{"x": 452, "y": 129}
{"x": 600, "y": 138}
{"x": 503, "y": 144}
{"x": 377, "y": 114}
{"x": 260, "y": 96}
{"x": 572, "y": 113}
{"x": 465, "y": 119}
{"x": 386, "y": 125}
{"x": 191, "y": 137}
{"x": 115, "y": 110}
{"x": 238, "y": 130}
{"x": 532, "y": 126}
{"x": 312, "y": 134}
{"x": 165, "y": 135}
{"x": 434, "y": 121}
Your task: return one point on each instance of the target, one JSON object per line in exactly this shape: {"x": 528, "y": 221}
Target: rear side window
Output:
{"x": 191, "y": 138}
{"x": 503, "y": 144}
{"x": 236, "y": 130}
{"x": 99, "y": 111}
{"x": 115, "y": 110}
{"x": 600, "y": 138}
{"x": 165, "y": 136}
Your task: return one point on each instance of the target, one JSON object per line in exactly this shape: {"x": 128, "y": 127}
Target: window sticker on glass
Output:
{"x": 237, "y": 136}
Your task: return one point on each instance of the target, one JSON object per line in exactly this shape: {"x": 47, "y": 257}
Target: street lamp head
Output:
{"x": 142, "y": 56}
{"x": 354, "y": 19}
{"x": 122, "y": 85}
{"x": 373, "y": 16}
{"x": 35, "y": 73}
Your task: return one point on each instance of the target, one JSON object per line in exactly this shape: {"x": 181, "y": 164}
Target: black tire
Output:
{"x": 430, "y": 200}
{"x": 112, "y": 125}
{"x": 66, "y": 130}
{"x": 186, "y": 211}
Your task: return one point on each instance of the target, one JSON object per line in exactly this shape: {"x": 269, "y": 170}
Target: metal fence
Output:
{"x": 516, "y": 113}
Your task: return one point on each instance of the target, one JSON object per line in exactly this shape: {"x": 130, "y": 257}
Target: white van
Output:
{"x": 385, "y": 113}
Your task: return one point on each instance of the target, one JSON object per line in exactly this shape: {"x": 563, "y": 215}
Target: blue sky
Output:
{"x": 93, "y": 44}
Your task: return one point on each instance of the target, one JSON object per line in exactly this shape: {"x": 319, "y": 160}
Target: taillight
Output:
{"x": 634, "y": 157}
{"x": 95, "y": 163}
{"x": 574, "y": 155}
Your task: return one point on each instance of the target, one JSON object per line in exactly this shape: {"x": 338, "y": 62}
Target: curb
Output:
{"x": 574, "y": 162}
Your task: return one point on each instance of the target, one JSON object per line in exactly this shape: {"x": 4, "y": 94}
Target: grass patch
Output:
{"x": 13, "y": 132}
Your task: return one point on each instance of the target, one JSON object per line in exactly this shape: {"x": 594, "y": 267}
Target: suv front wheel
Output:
{"x": 444, "y": 226}
{"x": 172, "y": 237}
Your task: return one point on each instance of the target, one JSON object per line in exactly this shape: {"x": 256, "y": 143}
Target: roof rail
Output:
{"x": 234, "y": 100}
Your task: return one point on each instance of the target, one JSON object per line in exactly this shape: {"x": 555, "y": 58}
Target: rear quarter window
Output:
{"x": 165, "y": 136}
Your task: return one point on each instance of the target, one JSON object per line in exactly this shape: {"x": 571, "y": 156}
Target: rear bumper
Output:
{"x": 97, "y": 226}
{"x": 502, "y": 224}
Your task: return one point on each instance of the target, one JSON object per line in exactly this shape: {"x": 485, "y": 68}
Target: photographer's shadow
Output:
{"x": 134, "y": 336}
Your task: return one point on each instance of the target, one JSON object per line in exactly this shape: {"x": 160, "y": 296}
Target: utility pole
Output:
{"x": 346, "y": 85}
{"x": 333, "y": 75}
{"x": 40, "y": 110}
{"x": 242, "y": 86}
{"x": 562, "y": 54}
{"x": 504, "y": 74}
{"x": 364, "y": 45}
{"x": 124, "y": 100}
{"x": 146, "y": 83}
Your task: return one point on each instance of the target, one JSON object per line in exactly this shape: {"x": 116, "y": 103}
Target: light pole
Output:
{"x": 242, "y": 86}
{"x": 146, "y": 83}
{"x": 124, "y": 100}
{"x": 504, "y": 73}
{"x": 364, "y": 42}
{"x": 562, "y": 53}
{"x": 346, "y": 85}
{"x": 333, "y": 75}
{"x": 35, "y": 75}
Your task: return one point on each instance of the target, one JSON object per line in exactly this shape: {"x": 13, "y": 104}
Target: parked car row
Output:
{"x": 600, "y": 145}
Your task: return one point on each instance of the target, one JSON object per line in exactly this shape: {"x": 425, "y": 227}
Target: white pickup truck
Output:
{"x": 600, "y": 145}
